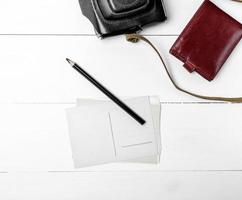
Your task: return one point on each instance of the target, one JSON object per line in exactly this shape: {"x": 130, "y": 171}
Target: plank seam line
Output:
{"x": 143, "y": 171}
{"x": 70, "y": 35}
{"x": 73, "y": 103}
{"x": 120, "y": 171}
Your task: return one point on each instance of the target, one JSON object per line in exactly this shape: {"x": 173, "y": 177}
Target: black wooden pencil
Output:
{"x": 106, "y": 92}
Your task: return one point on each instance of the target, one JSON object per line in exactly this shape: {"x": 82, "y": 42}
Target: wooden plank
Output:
{"x": 194, "y": 137}
{"x": 201, "y": 136}
{"x": 119, "y": 185}
{"x": 34, "y": 69}
{"x": 34, "y": 137}
{"x": 64, "y": 17}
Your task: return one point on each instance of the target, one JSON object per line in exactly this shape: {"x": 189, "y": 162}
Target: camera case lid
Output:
{"x": 113, "y": 17}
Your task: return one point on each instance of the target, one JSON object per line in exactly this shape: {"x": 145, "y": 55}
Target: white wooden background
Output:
{"x": 201, "y": 141}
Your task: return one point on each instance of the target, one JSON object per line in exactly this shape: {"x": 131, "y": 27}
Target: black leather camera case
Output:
{"x": 113, "y": 17}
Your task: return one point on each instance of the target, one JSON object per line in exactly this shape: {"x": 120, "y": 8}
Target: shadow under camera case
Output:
{"x": 113, "y": 17}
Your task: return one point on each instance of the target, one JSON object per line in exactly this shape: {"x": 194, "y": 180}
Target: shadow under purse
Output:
{"x": 112, "y": 17}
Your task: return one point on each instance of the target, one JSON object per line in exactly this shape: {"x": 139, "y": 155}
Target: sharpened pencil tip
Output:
{"x": 70, "y": 61}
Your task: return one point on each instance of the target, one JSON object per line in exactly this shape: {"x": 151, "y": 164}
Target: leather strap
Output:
{"x": 134, "y": 38}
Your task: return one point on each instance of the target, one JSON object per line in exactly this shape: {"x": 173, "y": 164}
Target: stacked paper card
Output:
{"x": 101, "y": 132}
